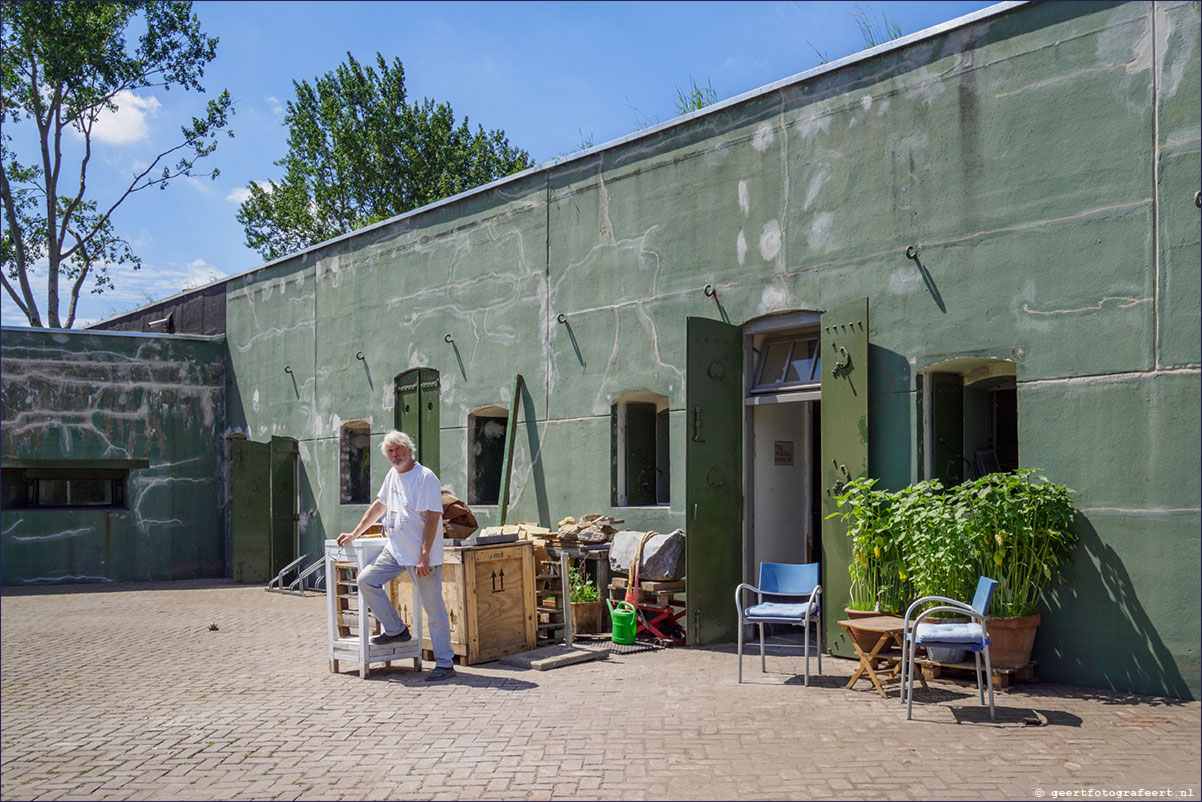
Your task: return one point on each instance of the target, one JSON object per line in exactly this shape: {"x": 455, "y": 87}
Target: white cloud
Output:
{"x": 132, "y": 289}
{"x": 202, "y": 185}
{"x": 277, "y": 107}
{"x": 241, "y": 195}
{"x": 128, "y": 123}
{"x": 198, "y": 273}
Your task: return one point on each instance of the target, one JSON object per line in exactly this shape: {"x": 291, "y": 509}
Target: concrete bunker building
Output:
{"x": 974, "y": 246}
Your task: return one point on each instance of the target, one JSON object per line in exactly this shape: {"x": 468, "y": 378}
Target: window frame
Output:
{"x": 30, "y": 495}
{"x": 496, "y": 412}
{"x": 661, "y": 446}
{"x": 812, "y": 380}
{"x": 349, "y": 429}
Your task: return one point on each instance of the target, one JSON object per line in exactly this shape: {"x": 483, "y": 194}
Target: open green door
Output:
{"x": 250, "y": 517}
{"x": 285, "y": 539}
{"x": 417, "y": 412}
{"x": 844, "y": 349}
{"x": 713, "y": 479}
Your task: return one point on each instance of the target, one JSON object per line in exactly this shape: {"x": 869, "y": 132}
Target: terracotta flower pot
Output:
{"x": 586, "y": 617}
{"x": 1011, "y": 640}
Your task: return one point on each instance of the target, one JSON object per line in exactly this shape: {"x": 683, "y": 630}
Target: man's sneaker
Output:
{"x": 384, "y": 639}
{"x": 440, "y": 672}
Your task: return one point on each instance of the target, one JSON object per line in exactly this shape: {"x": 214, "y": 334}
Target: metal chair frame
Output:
{"x": 770, "y": 585}
{"x": 975, "y": 611}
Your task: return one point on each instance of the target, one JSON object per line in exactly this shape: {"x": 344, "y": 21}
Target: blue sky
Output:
{"x": 553, "y": 75}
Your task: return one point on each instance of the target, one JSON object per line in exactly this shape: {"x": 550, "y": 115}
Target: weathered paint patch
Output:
{"x": 763, "y": 137}
{"x": 770, "y": 240}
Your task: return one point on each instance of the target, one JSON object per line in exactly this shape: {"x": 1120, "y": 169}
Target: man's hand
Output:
{"x": 423, "y": 566}
{"x": 344, "y": 538}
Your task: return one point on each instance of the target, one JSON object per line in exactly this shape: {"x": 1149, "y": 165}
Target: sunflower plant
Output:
{"x": 1021, "y": 523}
{"x": 879, "y": 578}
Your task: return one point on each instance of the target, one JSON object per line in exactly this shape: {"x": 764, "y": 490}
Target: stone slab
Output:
{"x": 556, "y": 655}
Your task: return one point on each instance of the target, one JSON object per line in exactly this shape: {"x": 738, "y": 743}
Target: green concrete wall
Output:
{"x": 1043, "y": 160}
{"x": 87, "y": 400}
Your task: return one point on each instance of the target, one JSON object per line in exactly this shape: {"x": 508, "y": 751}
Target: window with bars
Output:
{"x": 61, "y": 488}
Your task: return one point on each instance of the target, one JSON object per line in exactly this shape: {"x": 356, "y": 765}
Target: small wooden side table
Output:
{"x": 889, "y": 630}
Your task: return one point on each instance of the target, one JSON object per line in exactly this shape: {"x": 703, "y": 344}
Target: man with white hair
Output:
{"x": 411, "y": 502}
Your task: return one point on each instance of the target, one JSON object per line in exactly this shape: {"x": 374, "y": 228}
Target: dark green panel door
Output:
{"x": 947, "y": 427}
{"x": 250, "y": 491}
{"x": 844, "y": 349}
{"x": 417, "y": 412}
{"x": 713, "y": 478}
{"x": 285, "y": 539}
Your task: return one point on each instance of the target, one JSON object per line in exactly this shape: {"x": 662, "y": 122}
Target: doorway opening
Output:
{"x": 782, "y": 441}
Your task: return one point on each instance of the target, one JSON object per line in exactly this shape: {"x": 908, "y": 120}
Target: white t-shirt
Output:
{"x": 408, "y": 496}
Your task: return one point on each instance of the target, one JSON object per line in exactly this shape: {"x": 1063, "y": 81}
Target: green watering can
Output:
{"x": 622, "y": 616}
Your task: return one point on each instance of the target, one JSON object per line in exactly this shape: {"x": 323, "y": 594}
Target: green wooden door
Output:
{"x": 844, "y": 349}
{"x": 250, "y": 472}
{"x": 713, "y": 479}
{"x": 285, "y": 539}
{"x": 417, "y": 412}
{"x": 947, "y": 427}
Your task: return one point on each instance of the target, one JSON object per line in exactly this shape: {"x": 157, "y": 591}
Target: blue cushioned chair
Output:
{"x": 783, "y": 579}
{"x": 972, "y": 636}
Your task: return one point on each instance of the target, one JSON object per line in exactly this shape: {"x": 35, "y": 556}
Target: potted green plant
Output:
{"x": 878, "y": 576}
{"x": 586, "y": 602}
{"x": 1021, "y": 524}
{"x": 937, "y": 554}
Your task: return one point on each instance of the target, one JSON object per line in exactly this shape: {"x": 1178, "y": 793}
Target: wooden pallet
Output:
{"x": 650, "y": 586}
{"x": 966, "y": 671}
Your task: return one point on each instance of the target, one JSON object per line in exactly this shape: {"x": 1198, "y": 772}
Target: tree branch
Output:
{"x": 18, "y": 235}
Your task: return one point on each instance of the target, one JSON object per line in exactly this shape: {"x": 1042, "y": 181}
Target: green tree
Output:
{"x": 358, "y": 153}
{"x": 63, "y": 67}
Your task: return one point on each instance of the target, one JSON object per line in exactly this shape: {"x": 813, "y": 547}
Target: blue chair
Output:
{"x": 783, "y": 579}
{"x": 972, "y": 636}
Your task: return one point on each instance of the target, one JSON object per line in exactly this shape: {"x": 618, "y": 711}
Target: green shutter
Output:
{"x": 285, "y": 541}
{"x": 250, "y": 472}
{"x": 713, "y": 478}
{"x": 417, "y": 412}
{"x": 640, "y": 454}
{"x": 947, "y": 427}
{"x": 663, "y": 458}
{"x": 844, "y": 410}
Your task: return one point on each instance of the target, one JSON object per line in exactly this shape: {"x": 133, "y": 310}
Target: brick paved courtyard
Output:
{"x": 124, "y": 693}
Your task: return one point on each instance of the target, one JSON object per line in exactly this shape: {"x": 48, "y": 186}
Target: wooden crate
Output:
{"x": 489, "y": 594}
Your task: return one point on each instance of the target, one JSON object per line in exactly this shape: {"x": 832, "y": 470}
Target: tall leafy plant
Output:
{"x": 879, "y": 578}
{"x": 1021, "y": 523}
{"x": 927, "y": 540}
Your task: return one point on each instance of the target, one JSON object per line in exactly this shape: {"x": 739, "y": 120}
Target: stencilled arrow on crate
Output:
{"x": 496, "y": 576}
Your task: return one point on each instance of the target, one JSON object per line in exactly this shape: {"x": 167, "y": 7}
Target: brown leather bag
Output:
{"x": 458, "y": 521}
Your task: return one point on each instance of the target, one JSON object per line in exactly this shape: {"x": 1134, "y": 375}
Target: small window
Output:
{"x": 641, "y": 475}
{"x": 55, "y": 488}
{"x": 786, "y": 363}
{"x": 486, "y": 429}
{"x": 971, "y": 419}
{"x": 356, "y": 462}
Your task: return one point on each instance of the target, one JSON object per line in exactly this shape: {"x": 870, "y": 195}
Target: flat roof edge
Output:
{"x": 107, "y": 333}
